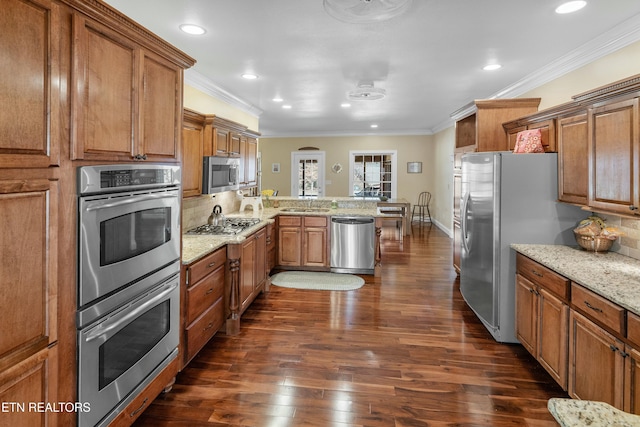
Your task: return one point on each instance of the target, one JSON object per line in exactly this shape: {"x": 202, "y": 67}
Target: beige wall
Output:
{"x": 410, "y": 149}
{"x": 205, "y": 104}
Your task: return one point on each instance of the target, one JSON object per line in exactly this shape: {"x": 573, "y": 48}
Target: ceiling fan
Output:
{"x": 365, "y": 11}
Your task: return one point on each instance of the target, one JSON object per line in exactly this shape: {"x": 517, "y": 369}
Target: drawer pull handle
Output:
{"x": 599, "y": 310}
{"x": 211, "y": 264}
{"x": 144, "y": 403}
{"x": 209, "y": 326}
{"x": 535, "y": 273}
{"x": 209, "y": 291}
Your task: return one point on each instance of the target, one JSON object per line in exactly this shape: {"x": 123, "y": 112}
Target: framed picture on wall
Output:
{"x": 275, "y": 167}
{"x": 414, "y": 167}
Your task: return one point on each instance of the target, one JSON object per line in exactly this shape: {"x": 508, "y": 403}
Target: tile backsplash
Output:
{"x": 196, "y": 210}
{"x": 629, "y": 243}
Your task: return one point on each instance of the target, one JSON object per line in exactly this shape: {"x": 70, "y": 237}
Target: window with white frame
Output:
{"x": 373, "y": 174}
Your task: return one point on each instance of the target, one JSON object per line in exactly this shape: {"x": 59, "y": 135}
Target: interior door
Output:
{"x": 307, "y": 174}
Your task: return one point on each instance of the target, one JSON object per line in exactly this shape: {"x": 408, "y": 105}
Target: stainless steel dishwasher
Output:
{"x": 352, "y": 244}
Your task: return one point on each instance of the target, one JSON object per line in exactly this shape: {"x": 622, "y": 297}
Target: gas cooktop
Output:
{"x": 232, "y": 226}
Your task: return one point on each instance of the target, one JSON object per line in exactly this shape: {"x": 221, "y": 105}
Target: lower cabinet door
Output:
{"x": 553, "y": 342}
{"x": 596, "y": 364}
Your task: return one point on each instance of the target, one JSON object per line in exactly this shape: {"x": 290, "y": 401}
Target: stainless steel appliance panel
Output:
{"x": 506, "y": 198}
{"x": 220, "y": 174}
{"x": 119, "y": 351}
{"x": 352, "y": 244}
{"x": 125, "y": 236}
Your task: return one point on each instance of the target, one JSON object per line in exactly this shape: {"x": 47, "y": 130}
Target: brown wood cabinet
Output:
{"x": 614, "y": 153}
{"x": 30, "y": 115}
{"x": 249, "y": 161}
{"x": 596, "y": 364}
{"x": 271, "y": 247}
{"x": 303, "y": 241}
{"x": 315, "y": 240}
{"x": 33, "y": 379}
{"x": 573, "y": 159}
{"x": 289, "y": 241}
{"x": 542, "y": 315}
{"x": 192, "y": 149}
{"x": 479, "y": 126}
{"x": 253, "y": 267}
{"x": 29, "y": 289}
{"x": 222, "y": 137}
{"x": 126, "y": 101}
{"x": 203, "y": 303}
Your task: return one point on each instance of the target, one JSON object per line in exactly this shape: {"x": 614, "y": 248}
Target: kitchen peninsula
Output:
{"x": 224, "y": 273}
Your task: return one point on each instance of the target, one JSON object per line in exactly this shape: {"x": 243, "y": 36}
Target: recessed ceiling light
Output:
{"x": 492, "y": 67}
{"x": 277, "y": 99}
{"x": 249, "y": 76}
{"x": 374, "y": 126}
{"x": 571, "y": 6}
{"x": 345, "y": 105}
{"x": 286, "y": 107}
{"x": 194, "y": 30}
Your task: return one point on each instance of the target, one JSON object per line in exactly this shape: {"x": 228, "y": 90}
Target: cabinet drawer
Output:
{"x": 206, "y": 265}
{"x": 599, "y": 309}
{"x": 204, "y": 293}
{"x": 544, "y": 277}
{"x": 295, "y": 221}
{"x": 315, "y": 221}
{"x": 201, "y": 331}
{"x": 633, "y": 328}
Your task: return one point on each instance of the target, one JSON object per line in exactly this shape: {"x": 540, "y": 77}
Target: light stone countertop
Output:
{"x": 195, "y": 247}
{"x": 614, "y": 276}
{"x": 574, "y": 413}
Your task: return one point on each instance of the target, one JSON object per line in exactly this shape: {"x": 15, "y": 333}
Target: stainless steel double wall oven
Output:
{"x": 128, "y": 282}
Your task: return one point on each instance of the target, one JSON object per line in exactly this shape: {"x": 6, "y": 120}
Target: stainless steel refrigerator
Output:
{"x": 506, "y": 198}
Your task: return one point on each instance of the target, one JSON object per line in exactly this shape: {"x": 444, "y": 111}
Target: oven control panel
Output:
{"x": 129, "y": 177}
{"x": 117, "y": 178}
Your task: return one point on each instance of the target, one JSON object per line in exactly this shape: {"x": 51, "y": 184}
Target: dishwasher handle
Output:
{"x": 352, "y": 220}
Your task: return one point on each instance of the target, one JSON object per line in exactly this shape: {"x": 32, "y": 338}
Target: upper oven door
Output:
{"x": 124, "y": 237}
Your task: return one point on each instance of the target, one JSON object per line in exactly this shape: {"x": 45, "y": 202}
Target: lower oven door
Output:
{"x": 118, "y": 352}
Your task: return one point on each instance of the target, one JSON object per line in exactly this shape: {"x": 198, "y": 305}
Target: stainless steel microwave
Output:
{"x": 220, "y": 174}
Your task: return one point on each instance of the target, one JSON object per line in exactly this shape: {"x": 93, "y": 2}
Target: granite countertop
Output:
{"x": 574, "y": 413}
{"x": 195, "y": 247}
{"x": 614, "y": 276}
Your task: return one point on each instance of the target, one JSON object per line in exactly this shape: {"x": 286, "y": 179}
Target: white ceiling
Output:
{"x": 428, "y": 60}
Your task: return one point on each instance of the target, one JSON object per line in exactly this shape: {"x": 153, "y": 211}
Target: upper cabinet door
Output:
{"x": 573, "y": 159}
{"x": 103, "y": 103}
{"x": 614, "y": 147}
{"x": 161, "y": 108}
{"x": 29, "y": 112}
{"x": 126, "y": 102}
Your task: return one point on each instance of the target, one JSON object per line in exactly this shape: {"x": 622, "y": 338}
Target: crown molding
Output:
{"x": 206, "y": 85}
{"x": 621, "y": 36}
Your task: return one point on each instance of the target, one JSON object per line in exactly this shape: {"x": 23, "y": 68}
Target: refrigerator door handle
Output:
{"x": 464, "y": 217}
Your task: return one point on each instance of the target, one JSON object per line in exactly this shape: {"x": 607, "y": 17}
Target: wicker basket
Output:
{"x": 594, "y": 243}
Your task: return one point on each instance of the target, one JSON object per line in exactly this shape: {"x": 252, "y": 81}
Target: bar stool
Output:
{"x": 424, "y": 199}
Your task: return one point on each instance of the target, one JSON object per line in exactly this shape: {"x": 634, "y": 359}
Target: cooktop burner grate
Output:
{"x": 232, "y": 226}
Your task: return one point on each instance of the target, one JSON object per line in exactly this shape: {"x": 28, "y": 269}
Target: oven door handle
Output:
{"x": 106, "y": 326}
{"x": 130, "y": 200}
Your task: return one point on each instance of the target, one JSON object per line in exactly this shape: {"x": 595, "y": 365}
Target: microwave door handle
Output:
{"x": 107, "y": 326}
{"x": 129, "y": 200}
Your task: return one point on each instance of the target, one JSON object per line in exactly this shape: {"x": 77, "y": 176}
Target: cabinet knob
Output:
{"x": 633, "y": 208}
{"x": 140, "y": 157}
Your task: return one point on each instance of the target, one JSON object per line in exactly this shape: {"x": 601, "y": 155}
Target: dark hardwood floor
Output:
{"x": 404, "y": 350}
